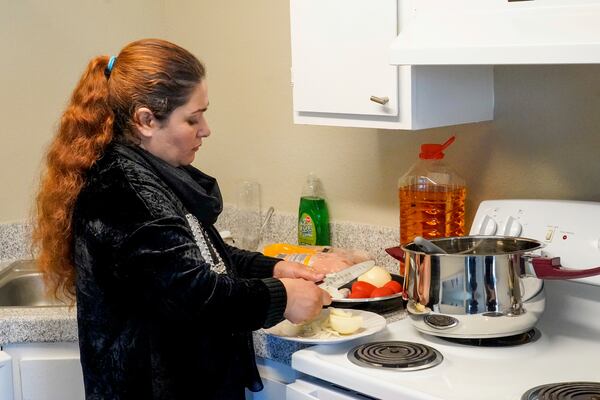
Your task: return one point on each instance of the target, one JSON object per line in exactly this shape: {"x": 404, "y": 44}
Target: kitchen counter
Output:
{"x": 39, "y": 324}
{"x": 59, "y": 324}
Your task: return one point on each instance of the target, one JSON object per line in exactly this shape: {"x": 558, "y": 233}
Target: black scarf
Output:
{"x": 198, "y": 192}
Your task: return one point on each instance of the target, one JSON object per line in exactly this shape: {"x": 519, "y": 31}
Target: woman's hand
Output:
{"x": 290, "y": 269}
{"x": 304, "y": 300}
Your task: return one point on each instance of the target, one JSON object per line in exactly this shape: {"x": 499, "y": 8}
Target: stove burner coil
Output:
{"x": 404, "y": 356}
{"x": 505, "y": 341}
{"x": 439, "y": 321}
{"x": 564, "y": 391}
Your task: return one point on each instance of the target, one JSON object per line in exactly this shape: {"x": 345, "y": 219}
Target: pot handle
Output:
{"x": 550, "y": 268}
{"x": 396, "y": 252}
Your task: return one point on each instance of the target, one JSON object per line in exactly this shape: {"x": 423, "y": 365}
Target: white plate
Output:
{"x": 372, "y": 323}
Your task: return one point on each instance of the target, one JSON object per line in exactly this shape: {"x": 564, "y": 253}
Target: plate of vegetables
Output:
{"x": 376, "y": 290}
{"x": 330, "y": 327}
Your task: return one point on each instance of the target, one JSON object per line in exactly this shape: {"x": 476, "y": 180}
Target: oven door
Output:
{"x": 306, "y": 388}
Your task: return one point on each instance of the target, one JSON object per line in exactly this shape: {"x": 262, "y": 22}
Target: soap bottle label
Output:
{"x": 307, "y": 234}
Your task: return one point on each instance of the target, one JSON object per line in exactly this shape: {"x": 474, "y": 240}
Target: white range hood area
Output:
{"x": 494, "y": 32}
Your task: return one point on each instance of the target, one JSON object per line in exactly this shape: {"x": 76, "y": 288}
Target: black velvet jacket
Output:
{"x": 155, "y": 322}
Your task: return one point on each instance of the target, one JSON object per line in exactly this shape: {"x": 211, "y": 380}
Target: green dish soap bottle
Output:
{"x": 313, "y": 215}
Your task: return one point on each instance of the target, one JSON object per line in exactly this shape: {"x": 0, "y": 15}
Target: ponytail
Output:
{"x": 150, "y": 73}
{"x": 85, "y": 129}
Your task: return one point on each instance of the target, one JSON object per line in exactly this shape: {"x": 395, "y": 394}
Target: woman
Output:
{"x": 165, "y": 308}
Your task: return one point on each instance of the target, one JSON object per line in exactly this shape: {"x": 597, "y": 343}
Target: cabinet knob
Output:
{"x": 380, "y": 100}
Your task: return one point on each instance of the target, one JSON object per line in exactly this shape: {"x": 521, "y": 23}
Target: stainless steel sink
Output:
{"x": 22, "y": 285}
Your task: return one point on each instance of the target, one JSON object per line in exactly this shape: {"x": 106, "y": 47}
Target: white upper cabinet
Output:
{"x": 341, "y": 73}
{"x": 495, "y": 32}
{"x": 337, "y": 49}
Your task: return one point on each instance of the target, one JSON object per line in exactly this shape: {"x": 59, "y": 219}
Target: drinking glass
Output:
{"x": 249, "y": 215}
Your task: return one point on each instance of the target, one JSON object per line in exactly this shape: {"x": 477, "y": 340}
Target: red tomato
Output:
{"x": 363, "y": 287}
{"x": 358, "y": 294}
{"x": 395, "y": 286}
{"x": 382, "y": 292}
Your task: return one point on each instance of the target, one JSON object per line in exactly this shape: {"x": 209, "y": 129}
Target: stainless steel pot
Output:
{"x": 484, "y": 287}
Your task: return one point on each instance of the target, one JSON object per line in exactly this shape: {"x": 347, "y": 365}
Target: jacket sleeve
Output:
{"x": 251, "y": 264}
{"x": 151, "y": 254}
{"x": 161, "y": 259}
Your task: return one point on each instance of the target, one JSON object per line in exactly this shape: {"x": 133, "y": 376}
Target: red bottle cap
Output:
{"x": 434, "y": 151}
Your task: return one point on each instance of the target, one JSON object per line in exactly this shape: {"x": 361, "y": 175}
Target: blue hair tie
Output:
{"x": 110, "y": 65}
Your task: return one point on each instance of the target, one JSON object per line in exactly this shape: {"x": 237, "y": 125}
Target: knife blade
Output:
{"x": 340, "y": 278}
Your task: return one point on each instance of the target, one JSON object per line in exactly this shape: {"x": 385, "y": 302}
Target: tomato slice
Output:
{"x": 358, "y": 294}
{"x": 395, "y": 286}
{"x": 362, "y": 286}
{"x": 382, "y": 292}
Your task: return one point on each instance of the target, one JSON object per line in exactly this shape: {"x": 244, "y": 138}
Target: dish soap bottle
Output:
{"x": 313, "y": 215}
{"x": 432, "y": 197}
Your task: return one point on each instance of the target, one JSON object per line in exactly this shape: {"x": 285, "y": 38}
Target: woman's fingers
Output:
{"x": 304, "y": 300}
{"x": 289, "y": 269}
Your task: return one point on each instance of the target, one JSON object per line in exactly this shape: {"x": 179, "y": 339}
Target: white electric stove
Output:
{"x": 564, "y": 347}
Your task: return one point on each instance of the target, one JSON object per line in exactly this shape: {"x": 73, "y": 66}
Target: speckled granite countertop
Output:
{"x": 41, "y": 324}
{"x": 274, "y": 348}
{"x": 59, "y": 324}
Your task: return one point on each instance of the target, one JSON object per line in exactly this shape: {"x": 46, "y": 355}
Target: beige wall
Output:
{"x": 543, "y": 142}
{"x": 44, "y": 48}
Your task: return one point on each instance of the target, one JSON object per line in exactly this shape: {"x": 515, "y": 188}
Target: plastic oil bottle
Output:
{"x": 432, "y": 197}
{"x": 313, "y": 215}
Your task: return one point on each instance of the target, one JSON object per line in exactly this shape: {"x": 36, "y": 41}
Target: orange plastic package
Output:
{"x": 323, "y": 259}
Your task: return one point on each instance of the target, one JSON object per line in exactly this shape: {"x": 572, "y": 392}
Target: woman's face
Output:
{"x": 177, "y": 139}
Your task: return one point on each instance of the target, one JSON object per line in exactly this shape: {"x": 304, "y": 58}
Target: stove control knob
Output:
{"x": 513, "y": 227}
{"x": 488, "y": 226}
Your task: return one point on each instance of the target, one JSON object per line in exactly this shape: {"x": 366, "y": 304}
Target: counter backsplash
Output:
{"x": 282, "y": 228}
{"x": 15, "y": 237}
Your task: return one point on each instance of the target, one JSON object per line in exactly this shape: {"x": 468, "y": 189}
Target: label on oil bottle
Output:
{"x": 307, "y": 234}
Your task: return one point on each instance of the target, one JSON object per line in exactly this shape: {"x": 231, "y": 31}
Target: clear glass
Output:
{"x": 249, "y": 216}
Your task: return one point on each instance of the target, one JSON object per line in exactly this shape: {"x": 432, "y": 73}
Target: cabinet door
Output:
{"x": 5, "y": 377}
{"x": 51, "y": 378}
{"x": 46, "y": 371}
{"x": 340, "y": 51}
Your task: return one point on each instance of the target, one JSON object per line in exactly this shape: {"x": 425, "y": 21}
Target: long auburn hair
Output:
{"x": 150, "y": 73}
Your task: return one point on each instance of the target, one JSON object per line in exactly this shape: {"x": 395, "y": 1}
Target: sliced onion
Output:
{"x": 344, "y": 322}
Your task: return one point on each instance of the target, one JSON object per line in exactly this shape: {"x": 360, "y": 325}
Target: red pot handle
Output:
{"x": 396, "y": 252}
{"x": 550, "y": 268}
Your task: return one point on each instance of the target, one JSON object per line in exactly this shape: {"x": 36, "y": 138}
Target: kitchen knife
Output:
{"x": 340, "y": 278}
